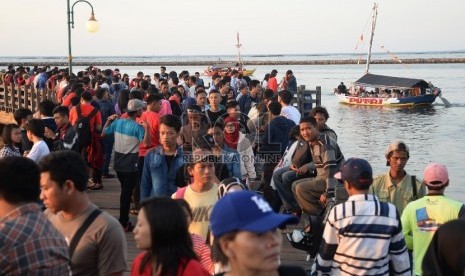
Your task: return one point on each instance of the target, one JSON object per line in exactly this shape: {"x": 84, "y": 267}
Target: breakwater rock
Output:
{"x": 246, "y": 63}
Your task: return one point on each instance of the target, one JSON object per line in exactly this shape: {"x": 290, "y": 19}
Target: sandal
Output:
{"x": 90, "y": 183}
{"x": 96, "y": 186}
{"x": 307, "y": 239}
{"x": 307, "y": 230}
{"x": 299, "y": 239}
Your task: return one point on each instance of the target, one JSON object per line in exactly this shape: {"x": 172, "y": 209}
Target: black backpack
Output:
{"x": 82, "y": 126}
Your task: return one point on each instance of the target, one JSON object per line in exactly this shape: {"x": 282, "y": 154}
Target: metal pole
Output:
{"x": 373, "y": 24}
{"x": 71, "y": 25}
{"x": 70, "y": 56}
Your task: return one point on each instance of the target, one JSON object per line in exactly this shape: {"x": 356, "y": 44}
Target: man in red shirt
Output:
{"x": 95, "y": 125}
{"x": 86, "y": 108}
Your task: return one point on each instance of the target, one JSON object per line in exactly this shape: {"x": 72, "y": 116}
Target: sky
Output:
{"x": 209, "y": 27}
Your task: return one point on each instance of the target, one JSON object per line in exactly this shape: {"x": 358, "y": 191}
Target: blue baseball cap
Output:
{"x": 356, "y": 170}
{"x": 246, "y": 211}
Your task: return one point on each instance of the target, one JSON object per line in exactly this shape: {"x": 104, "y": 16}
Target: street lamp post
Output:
{"x": 91, "y": 26}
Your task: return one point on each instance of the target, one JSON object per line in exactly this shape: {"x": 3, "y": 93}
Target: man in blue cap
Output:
{"x": 363, "y": 236}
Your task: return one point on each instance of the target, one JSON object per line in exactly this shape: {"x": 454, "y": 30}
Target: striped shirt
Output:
{"x": 363, "y": 236}
{"x": 202, "y": 250}
{"x": 327, "y": 157}
{"x": 30, "y": 245}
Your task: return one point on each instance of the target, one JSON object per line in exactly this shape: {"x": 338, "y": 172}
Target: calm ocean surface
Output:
{"x": 222, "y": 58}
{"x": 434, "y": 134}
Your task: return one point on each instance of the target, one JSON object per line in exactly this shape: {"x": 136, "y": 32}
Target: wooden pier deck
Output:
{"x": 108, "y": 200}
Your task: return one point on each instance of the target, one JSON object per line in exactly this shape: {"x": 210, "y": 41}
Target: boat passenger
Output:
{"x": 342, "y": 89}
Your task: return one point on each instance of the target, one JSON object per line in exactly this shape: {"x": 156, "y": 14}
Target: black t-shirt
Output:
{"x": 25, "y": 143}
{"x": 213, "y": 116}
{"x": 224, "y": 100}
{"x": 169, "y": 160}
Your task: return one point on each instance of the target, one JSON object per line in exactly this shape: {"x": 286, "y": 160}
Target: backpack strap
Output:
{"x": 92, "y": 114}
{"x": 206, "y": 115}
{"x": 414, "y": 187}
{"x": 181, "y": 192}
{"x": 77, "y": 237}
{"x": 78, "y": 111}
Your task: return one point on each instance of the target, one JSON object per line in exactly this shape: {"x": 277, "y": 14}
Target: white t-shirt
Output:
{"x": 38, "y": 150}
{"x": 265, "y": 84}
{"x": 291, "y": 113}
{"x": 192, "y": 91}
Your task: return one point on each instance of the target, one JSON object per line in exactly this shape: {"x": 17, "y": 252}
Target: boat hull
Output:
{"x": 223, "y": 73}
{"x": 248, "y": 72}
{"x": 387, "y": 102}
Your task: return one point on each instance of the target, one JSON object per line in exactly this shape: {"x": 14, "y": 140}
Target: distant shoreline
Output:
{"x": 246, "y": 63}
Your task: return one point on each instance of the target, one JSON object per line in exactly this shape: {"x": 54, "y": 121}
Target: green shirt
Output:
{"x": 422, "y": 218}
{"x": 399, "y": 195}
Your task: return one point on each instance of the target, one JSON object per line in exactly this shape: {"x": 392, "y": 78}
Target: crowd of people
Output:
{"x": 188, "y": 159}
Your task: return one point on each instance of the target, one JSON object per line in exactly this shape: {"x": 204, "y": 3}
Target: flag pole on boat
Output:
{"x": 238, "y": 45}
{"x": 373, "y": 24}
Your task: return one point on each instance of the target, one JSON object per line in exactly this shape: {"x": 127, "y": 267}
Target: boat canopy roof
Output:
{"x": 390, "y": 82}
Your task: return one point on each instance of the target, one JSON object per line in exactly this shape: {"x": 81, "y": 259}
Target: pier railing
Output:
{"x": 304, "y": 100}
{"x": 16, "y": 96}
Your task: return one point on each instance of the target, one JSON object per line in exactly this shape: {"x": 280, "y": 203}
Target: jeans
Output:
{"x": 258, "y": 165}
{"x": 107, "y": 146}
{"x": 283, "y": 179}
{"x": 269, "y": 193}
{"x": 128, "y": 181}
{"x": 136, "y": 192}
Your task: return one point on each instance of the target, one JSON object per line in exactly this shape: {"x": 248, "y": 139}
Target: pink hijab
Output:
{"x": 165, "y": 108}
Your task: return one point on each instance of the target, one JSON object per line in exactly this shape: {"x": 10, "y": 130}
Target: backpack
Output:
{"x": 180, "y": 192}
{"x": 82, "y": 126}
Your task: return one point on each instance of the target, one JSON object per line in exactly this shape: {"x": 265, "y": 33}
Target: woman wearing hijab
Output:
{"x": 175, "y": 103}
{"x": 237, "y": 140}
{"x": 227, "y": 186}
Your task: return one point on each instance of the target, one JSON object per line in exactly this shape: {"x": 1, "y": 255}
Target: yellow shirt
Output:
{"x": 399, "y": 195}
{"x": 201, "y": 205}
{"x": 421, "y": 220}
